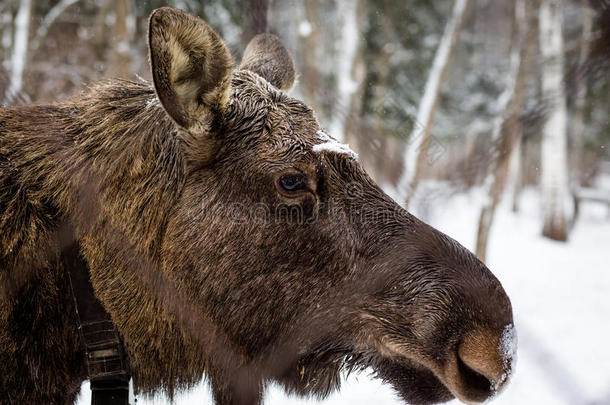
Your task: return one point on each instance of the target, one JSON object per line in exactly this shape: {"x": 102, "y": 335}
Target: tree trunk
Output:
{"x": 20, "y": 51}
{"x": 257, "y": 21}
{"x": 388, "y": 155}
{"x": 578, "y": 122}
{"x": 309, "y": 33}
{"x": 554, "y": 174}
{"x": 120, "y": 60}
{"x": 355, "y": 124}
{"x": 101, "y": 37}
{"x": 506, "y": 128}
{"x": 347, "y": 46}
{"x": 515, "y": 172}
{"x": 420, "y": 135}
{"x": 6, "y": 31}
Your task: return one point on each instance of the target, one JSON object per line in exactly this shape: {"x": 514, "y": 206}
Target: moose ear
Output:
{"x": 191, "y": 67}
{"x": 266, "y": 56}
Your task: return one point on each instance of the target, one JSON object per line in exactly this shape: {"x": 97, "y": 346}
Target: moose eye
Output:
{"x": 293, "y": 182}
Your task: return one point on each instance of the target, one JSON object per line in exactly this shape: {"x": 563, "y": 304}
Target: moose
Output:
{"x": 206, "y": 226}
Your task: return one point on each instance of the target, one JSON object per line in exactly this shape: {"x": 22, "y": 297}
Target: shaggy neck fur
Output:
{"x": 77, "y": 166}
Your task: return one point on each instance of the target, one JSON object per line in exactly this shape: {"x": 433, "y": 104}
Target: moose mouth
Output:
{"x": 419, "y": 384}
{"x": 416, "y": 383}
{"x": 472, "y": 373}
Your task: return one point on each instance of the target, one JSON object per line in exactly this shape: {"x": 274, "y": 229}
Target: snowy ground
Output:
{"x": 560, "y": 295}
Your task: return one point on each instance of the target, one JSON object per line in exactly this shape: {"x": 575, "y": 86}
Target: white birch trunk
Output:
{"x": 346, "y": 55}
{"x": 20, "y": 50}
{"x": 420, "y": 135}
{"x": 554, "y": 175}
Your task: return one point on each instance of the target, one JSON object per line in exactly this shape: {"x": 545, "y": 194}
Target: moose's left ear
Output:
{"x": 191, "y": 67}
{"x": 266, "y": 56}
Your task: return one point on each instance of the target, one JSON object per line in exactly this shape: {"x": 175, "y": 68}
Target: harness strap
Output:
{"x": 105, "y": 355}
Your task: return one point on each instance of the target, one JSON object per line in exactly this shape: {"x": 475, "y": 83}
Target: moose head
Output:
{"x": 227, "y": 233}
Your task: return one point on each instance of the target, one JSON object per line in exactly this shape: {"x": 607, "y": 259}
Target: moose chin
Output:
{"x": 205, "y": 225}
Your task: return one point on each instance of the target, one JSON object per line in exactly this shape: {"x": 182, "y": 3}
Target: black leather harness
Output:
{"x": 105, "y": 356}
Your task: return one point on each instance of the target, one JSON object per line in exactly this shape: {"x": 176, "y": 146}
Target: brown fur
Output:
{"x": 205, "y": 264}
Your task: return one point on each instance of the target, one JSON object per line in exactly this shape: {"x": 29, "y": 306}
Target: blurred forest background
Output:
{"x": 440, "y": 99}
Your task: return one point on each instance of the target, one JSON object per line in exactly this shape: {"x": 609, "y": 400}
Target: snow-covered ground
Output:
{"x": 561, "y": 301}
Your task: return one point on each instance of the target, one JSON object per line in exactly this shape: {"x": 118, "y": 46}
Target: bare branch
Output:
{"x": 48, "y": 20}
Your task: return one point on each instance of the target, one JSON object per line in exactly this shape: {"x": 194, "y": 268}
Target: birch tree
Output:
{"x": 420, "y": 135}
{"x": 578, "y": 121}
{"x": 554, "y": 171}
{"x": 506, "y": 129}
{"x": 20, "y": 50}
{"x": 346, "y": 46}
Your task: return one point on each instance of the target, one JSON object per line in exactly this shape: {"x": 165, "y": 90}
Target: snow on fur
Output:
{"x": 332, "y": 145}
{"x": 508, "y": 351}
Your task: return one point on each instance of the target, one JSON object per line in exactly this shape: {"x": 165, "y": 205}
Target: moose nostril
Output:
{"x": 483, "y": 362}
{"x": 478, "y": 385}
{"x": 480, "y": 361}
